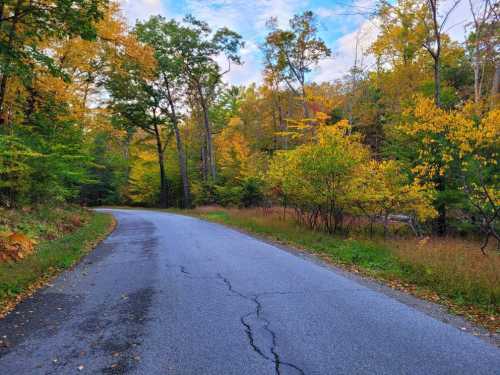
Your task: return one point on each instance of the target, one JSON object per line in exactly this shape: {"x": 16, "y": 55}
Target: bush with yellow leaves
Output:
{"x": 460, "y": 148}
{"x": 335, "y": 175}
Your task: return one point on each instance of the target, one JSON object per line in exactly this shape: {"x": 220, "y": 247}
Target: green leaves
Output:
{"x": 31, "y": 24}
{"x": 187, "y": 51}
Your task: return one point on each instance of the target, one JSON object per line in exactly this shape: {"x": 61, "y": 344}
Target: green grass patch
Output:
{"x": 52, "y": 256}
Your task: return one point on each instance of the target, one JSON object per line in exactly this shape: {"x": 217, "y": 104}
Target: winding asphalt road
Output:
{"x": 168, "y": 294}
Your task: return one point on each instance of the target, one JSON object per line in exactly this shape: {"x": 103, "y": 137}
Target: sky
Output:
{"x": 341, "y": 23}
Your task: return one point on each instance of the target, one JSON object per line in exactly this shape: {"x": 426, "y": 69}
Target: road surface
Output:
{"x": 168, "y": 294}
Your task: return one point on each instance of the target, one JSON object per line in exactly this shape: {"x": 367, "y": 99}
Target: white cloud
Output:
{"x": 251, "y": 69}
{"x": 356, "y": 11}
{"x": 359, "y": 31}
{"x": 282, "y": 9}
{"x": 141, "y": 9}
{"x": 459, "y": 18}
{"x": 244, "y": 15}
{"x": 345, "y": 54}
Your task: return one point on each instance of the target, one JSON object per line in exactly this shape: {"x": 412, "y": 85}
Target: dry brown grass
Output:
{"x": 448, "y": 262}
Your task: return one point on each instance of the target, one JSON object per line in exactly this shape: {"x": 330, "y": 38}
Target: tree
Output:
{"x": 459, "y": 147}
{"x": 108, "y": 172}
{"x": 137, "y": 101}
{"x": 316, "y": 178}
{"x": 195, "y": 49}
{"x": 234, "y": 150}
{"x": 171, "y": 87}
{"x": 293, "y": 53}
{"x": 482, "y": 39}
{"x": 24, "y": 24}
{"x": 434, "y": 28}
{"x": 398, "y": 41}
{"x": 44, "y": 113}
{"x": 382, "y": 190}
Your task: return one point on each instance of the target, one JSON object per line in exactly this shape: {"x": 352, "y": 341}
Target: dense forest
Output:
{"x": 97, "y": 112}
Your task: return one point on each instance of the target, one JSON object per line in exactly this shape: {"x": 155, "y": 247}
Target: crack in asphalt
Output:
{"x": 185, "y": 273}
{"x": 278, "y": 362}
{"x": 184, "y": 270}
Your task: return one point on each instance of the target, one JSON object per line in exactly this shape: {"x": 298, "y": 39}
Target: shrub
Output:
{"x": 252, "y": 192}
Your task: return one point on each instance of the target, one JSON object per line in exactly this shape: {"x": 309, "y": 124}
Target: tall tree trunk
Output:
{"x": 2, "y": 7}
{"x": 477, "y": 72}
{"x": 282, "y": 123}
{"x": 436, "y": 53}
{"x": 495, "y": 85}
{"x": 204, "y": 163}
{"x": 161, "y": 162}
{"x": 126, "y": 155}
{"x": 437, "y": 80}
{"x": 278, "y": 106}
{"x": 440, "y": 223}
{"x": 304, "y": 101}
{"x": 30, "y": 103}
{"x": 163, "y": 181}
{"x": 183, "y": 169}
{"x": 5, "y": 73}
{"x": 275, "y": 127}
{"x": 181, "y": 153}
{"x": 208, "y": 135}
{"x": 480, "y": 17}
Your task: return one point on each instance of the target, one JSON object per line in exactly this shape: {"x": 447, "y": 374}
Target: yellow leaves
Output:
{"x": 447, "y": 137}
{"x": 234, "y": 154}
{"x": 78, "y": 53}
{"x": 315, "y": 172}
{"x": 139, "y": 53}
{"x": 322, "y": 117}
{"x": 233, "y": 123}
{"x": 113, "y": 25}
{"x": 490, "y": 127}
{"x": 61, "y": 90}
{"x": 321, "y": 99}
{"x": 381, "y": 188}
{"x": 337, "y": 169}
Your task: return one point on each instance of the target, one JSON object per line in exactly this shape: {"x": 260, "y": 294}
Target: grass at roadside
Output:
{"x": 449, "y": 271}
{"x": 51, "y": 257}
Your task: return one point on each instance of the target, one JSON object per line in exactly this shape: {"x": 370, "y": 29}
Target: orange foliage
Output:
{"x": 15, "y": 246}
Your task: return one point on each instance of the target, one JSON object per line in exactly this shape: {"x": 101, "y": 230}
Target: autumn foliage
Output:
{"x": 96, "y": 111}
{"x": 335, "y": 176}
{"x": 15, "y": 246}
